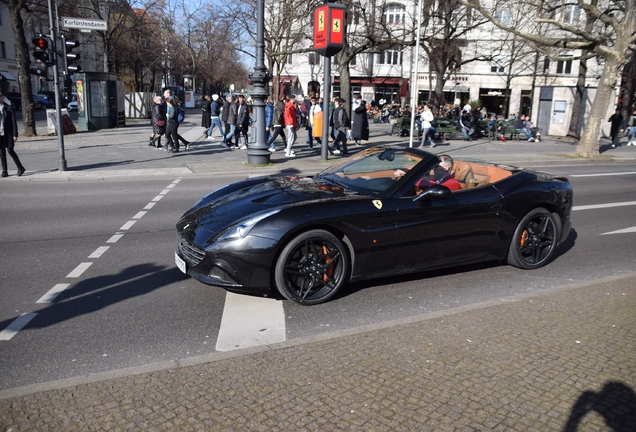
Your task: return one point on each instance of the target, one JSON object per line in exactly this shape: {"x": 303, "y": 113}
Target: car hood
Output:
{"x": 229, "y": 205}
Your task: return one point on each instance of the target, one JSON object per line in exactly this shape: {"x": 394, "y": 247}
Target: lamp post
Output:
{"x": 258, "y": 154}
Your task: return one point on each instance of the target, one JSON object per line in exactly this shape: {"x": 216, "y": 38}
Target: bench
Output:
{"x": 446, "y": 127}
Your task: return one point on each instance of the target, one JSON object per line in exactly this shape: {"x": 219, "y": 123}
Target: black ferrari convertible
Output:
{"x": 381, "y": 212}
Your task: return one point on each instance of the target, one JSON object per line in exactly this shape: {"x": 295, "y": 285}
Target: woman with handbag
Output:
{"x": 158, "y": 122}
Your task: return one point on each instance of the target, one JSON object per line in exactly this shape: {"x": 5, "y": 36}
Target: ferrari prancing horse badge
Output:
{"x": 377, "y": 203}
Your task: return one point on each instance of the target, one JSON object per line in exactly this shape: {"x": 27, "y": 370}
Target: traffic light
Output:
{"x": 41, "y": 55}
{"x": 41, "y": 51}
{"x": 71, "y": 56}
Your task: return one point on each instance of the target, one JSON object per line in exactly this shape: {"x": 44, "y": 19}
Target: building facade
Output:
{"x": 496, "y": 70}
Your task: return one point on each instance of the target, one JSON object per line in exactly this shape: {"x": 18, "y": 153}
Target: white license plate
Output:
{"x": 180, "y": 263}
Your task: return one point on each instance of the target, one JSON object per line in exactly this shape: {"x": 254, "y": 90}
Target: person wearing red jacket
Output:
{"x": 291, "y": 124}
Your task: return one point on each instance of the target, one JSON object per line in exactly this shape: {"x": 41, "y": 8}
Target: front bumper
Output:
{"x": 244, "y": 265}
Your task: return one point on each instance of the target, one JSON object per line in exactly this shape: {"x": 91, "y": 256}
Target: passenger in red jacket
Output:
{"x": 291, "y": 124}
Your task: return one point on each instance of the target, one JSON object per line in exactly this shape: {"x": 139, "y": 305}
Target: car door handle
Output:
{"x": 497, "y": 206}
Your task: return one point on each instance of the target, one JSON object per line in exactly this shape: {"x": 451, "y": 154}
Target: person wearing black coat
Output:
{"x": 158, "y": 123}
{"x": 205, "y": 112}
{"x": 360, "y": 127}
{"x": 8, "y": 137}
{"x": 242, "y": 122}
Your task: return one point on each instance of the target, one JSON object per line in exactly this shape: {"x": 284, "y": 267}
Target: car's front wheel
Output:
{"x": 535, "y": 240}
{"x": 311, "y": 268}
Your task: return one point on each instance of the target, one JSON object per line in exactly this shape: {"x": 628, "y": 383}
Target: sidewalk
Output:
{"x": 124, "y": 152}
{"x": 560, "y": 359}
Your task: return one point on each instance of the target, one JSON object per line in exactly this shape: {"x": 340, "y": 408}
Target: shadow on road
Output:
{"x": 616, "y": 403}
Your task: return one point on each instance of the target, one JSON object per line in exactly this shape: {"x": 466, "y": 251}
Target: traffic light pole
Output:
{"x": 58, "y": 98}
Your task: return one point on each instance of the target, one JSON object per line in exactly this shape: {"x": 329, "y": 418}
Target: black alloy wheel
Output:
{"x": 535, "y": 240}
{"x": 311, "y": 268}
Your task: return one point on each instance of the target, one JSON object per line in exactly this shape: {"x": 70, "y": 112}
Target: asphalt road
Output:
{"x": 131, "y": 306}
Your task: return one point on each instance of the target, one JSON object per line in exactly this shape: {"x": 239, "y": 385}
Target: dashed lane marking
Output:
{"x": 53, "y": 293}
{"x": 600, "y": 206}
{"x": 24, "y": 319}
{"x": 79, "y": 270}
{"x": 622, "y": 231}
{"x": 16, "y": 325}
{"x": 99, "y": 252}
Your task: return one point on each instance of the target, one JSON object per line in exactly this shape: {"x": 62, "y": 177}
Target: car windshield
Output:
{"x": 376, "y": 171}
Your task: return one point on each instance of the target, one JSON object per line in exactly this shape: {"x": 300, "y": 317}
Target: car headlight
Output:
{"x": 242, "y": 229}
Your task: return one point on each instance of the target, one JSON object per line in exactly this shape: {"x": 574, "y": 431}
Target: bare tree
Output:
{"x": 16, "y": 7}
{"x": 614, "y": 30}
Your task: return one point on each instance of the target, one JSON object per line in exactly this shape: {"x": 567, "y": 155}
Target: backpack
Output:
{"x": 180, "y": 114}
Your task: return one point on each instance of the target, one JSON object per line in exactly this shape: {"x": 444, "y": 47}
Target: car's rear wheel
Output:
{"x": 311, "y": 268}
{"x": 535, "y": 240}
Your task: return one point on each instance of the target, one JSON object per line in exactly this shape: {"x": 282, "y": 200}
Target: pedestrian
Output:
{"x": 313, "y": 110}
{"x": 205, "y": 112}
{"x": 215, "y": 112}
{"x": 242, "y": 122}
{"x": 278, "y": 120}
{"x": 360, "y": 126}
{"x": 340, "y": 124}
{"x": 172, "y": 127}
{"x": 167, "y": 94}
{"x": 180, "y": 117}
{"x": 8, "y": 137}
{"x": 631, "y": 123}
{"x": 269, "y": 116}
{"x": 158, "y": 122}
{"x": 427, "y": 118}
{"x": 230, "y": 122}
{"x": 617, "y": 121}
{"x": 291, "y": 124}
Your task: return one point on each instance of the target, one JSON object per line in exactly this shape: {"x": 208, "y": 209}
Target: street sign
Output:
{"x": 84, "y": 24}
{"x": 329, "y": 29}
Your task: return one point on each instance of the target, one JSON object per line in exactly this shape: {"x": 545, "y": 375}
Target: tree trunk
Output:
{"x": 578, "y": 100}
{"x": 438, "y": 95}
{"x": 24, "y": 63}
{"x": 345, "y": 81}
{"x": 588, "y": 145}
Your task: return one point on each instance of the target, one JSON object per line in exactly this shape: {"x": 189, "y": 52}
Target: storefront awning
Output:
{"x": 376, "y": 80}
{"x": 287, "y": 79}
{"x": 7, "y": 76}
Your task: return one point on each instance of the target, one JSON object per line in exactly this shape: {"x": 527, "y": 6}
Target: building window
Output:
{"x": 390, "y": 57}
{"x": 289, "y": 59}
{"x": 564, "y": 67}
{"x": 353, "y": 60}
{"x": 503, "y": 15}
{"x": 3, "y": 50}
{"x": 497, "y": 64}
{"x": 571, "y": 14}
{"x": 314, "y": 58}
{"x": 546, "y": 65}
{"x": 394, "y": 14}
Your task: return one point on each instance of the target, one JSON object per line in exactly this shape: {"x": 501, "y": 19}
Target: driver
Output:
{"x": 441, "y": 175}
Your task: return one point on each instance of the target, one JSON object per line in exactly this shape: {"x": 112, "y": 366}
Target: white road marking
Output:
{"x": 127, "y": 225}
{"x": 79, "y": 270}
{"x": 16, "y": 325}
{"x": 53, "y": 292}
{"x": 24, "y": 319}
{"x": 622, "y": 231}
{"x": 114, "y": 238}
{"x": 603, "y": 174}
{"x": 250, "y": 321}
{"x": 600, "y": 206}
{"x": 99, "y": 252}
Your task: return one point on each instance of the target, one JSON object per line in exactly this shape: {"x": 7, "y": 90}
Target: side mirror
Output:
{"x": 434, "y": 191}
